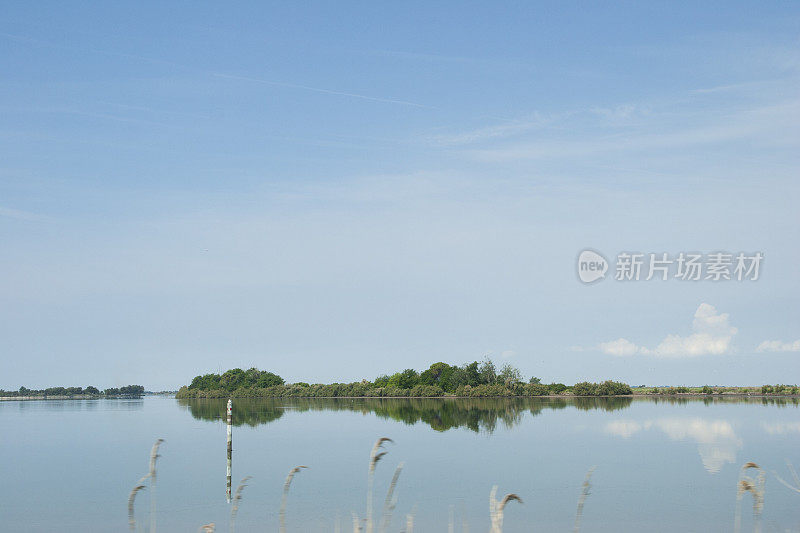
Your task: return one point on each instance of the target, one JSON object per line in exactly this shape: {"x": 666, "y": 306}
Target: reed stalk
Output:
{"x": 286, "y": 485}
{"x": 497, "y": 509}
{"x": 374, "y": 456}
{"x": 236, "y": 500}
{"x": 582, "y": 499}
{"x": 153, "y": 458}
{"x": 391, "y": 501}
{"x": 131, "y": 500}
{"x": 755, "y": 486}
{"x": 795, "y": 477}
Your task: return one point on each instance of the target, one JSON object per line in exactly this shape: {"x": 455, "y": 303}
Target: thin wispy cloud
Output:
{"x": 29, "y": 40}
{"x": 422, "y": 56}
{"x": 768, "y": 124}
{"x": 321, "y": 90}
{"x": 500, "y": 131}
{"x": 18, "y": 214}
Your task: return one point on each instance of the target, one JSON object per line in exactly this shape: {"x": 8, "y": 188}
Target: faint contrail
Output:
{"x": 217, "y": 74}
{"x": 325, "y": 91}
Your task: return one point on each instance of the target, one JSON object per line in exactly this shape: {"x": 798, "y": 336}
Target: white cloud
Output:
{"x": 620, "y": 347}
{"x": 779, "y": 346}
{"x": 712, "y": 336}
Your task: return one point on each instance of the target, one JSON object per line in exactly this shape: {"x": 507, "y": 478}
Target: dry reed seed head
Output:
{"x": 208, "y": 528}
{"x": 509, "y": 498}
{"x": 290, "y": 476}
{"x": 153, "y": 456}
{"x": 379, "y": 445}
{"x": 135, "y": 489}
{"x": 377, "y": 457}
{"x": 381, "y": 440}
{"x": 240, "y": 488}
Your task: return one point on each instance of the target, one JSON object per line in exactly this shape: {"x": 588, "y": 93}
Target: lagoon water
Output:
{"x": 69, "y": 465}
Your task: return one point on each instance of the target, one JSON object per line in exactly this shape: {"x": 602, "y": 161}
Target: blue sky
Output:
{"x": 334, "y": 191}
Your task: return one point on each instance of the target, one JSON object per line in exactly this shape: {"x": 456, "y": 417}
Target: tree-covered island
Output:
{"x": 90, "y": 392}
{"x": 477, "y": 380}
{"x": 440, "y": 379}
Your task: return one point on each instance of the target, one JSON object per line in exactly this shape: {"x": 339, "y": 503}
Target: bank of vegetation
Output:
{"x": 708, "y": 390}
{"x": 471, "y": 380}
{"x": 128, "y": 391}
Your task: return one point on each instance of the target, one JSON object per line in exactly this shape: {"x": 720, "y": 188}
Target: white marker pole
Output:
{"x": 230, "y": 448}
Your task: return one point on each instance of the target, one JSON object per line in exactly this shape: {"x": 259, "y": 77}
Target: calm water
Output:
{"x": 661, "y": 465}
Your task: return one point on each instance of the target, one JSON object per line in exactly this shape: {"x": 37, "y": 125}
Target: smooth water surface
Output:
{"x": 69, "y": 465}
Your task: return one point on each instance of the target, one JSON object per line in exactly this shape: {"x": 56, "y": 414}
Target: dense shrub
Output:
{"x": 613, "y": 388}
{"x": 584, "y": 388}
{"x": 536, "y": 389}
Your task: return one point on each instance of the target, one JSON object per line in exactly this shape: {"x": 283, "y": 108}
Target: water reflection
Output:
{"x": 442, "y": 414}
{"x": 68, "y": 405}
{"x": 717, "y": 443}
{"x": 781, "y": 428}
{"x": 476, "y": 414}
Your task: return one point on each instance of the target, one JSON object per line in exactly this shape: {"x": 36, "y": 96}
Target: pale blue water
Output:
{"x": 661, "y": 466}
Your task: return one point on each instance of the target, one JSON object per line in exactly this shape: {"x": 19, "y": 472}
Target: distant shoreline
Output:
{"x": 443, "y": 397}
{"x": 74, "y": 397}
{"x": 455, "y": 397}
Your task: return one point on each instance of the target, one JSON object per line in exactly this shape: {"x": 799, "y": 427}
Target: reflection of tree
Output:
{"x": 720, "y": 399}
{"x": 441, "y": 414}
{"x": 252, "y": 412}
{"x": 610, "y": 403}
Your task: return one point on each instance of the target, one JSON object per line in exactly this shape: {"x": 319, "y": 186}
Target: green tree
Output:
{"x": 488, "y": 372}
{"x": 233, "y": 379}
{"x": 458, "y": 378}
{"x": 439, "y": 374}
{"x": 268, "y": 379}
{"x": 510, "y": 374}
{"x": 406, "y": 379}
{"x": 472, "y": 374}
